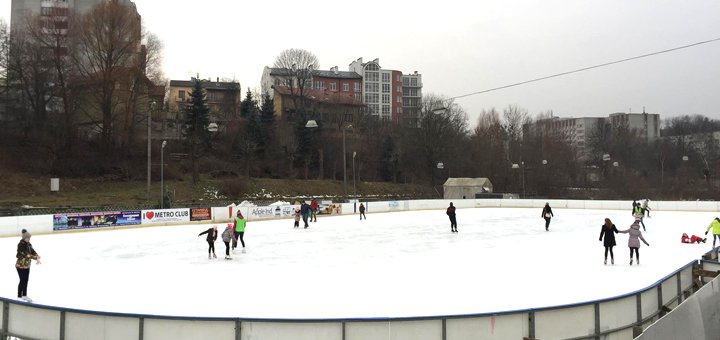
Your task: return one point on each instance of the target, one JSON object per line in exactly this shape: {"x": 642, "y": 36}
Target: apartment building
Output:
{"x": 223, "y": 98}
{"x": 578, "y": 131}
{"x": 387, "y": 94}
{"x": 54, "y": 13}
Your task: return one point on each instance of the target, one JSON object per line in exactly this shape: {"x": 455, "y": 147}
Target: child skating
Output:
{"x": 227, "y": 237}
{"x": 692, "y": 239}
{"x": 634, "y": 241}
{"x": 211, "y": 237}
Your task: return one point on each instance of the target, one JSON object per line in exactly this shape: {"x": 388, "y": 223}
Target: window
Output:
{"x": 398, "y": 89}
{"x": 372, "y": 87}
{"x": 399, "y": 99}
{"x": 333, "y": 86}
{"x": 413, "y": 82}
{"x": 345, "y": 87}
{"x": 358, "y": 97}
{"x": 319, "y": 84}
{"x": 181, "y": 95}
{"x": 386, "y": 77}
{"x": 386, "y": 109}
{"x": 357, "y": 87}
{"x": 372, "y": 76}
{"x": 371, "y": 98}
{"x": 386, "y": 88}
{"x": 386, "y": 99}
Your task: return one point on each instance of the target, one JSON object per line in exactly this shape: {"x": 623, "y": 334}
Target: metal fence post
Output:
{"x": 238, "y": 329}
{"x": 141, "y": 328}
{"x": 597, "y": 321}
{"x": 531, "y": 325}
{"x": 660, "y": 301}
{"x": 679, "y": 289}
{"x": 444, "y": 329}
{"x": 6, "y": 318}
{"x": 62, "y": 325}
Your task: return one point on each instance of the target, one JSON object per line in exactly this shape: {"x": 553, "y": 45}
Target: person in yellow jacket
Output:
{"x": 715, "y": 225}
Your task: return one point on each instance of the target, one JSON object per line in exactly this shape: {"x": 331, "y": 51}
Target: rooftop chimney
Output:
{"x": 218, "y": 80}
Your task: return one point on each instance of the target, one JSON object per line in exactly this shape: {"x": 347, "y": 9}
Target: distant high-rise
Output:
{"x": 54, "y": 13}
{"x": 388, "y": 93}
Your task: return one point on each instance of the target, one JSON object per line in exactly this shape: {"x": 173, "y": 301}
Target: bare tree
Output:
{"x": 296, "y": 66}
{"x": 106, "y": 49}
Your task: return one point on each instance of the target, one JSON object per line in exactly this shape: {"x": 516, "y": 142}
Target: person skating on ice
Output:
{"x": 305, "y": 212}
{"x": 715, "y": 225}
{"x": 634, "y": 241}
{"x": 313, "y": 210}
{"x": 638, "y": 213}
{"x": 362, "y": 211}
{"x": 692, "y": 239}
{"x": 239, "y": 227}
{"x": 453, "y": 221}
{"x": 212, "y": 234}
{"x": 646, "y": 207}
{"x": 608, "y": 230}
{"x": 297, "y": 218}
{"x": 227, "y": 237}
{"x": 25, "y": 254}
{"x": 547, "y": 214}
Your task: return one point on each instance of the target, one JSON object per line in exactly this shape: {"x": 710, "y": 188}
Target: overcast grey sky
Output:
{"x": 462, "y": 47}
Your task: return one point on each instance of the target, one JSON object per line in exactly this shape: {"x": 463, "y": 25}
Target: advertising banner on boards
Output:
{"x": 271, "y": 211}
{"x": 71, "y": 221}
{"x": 200, "y": 214}
{"x": 165, "y": 216}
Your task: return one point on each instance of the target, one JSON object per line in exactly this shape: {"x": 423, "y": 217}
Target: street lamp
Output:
{"x": 522, "y": 175}
{"x": 354, "y": 192}
{"x": 162, "y": 184}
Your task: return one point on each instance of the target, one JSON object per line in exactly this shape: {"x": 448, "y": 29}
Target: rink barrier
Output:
{"x": 43, "y": 224}
{"x": 620, "y": 317}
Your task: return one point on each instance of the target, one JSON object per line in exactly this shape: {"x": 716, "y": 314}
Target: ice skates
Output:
{"x": 26, "y": 299}
{"x": 227, "y": 257}
{"x": 214, "y": 256}
{"x": 631, "y": 262}
{"x": 209, "y": 257}
{"x": 612, "y": 261}
{"x": 605, "y": 261}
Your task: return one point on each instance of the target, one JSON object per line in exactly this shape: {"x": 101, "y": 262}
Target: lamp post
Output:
{"x": 354, "y": 191}
{"x": 162, "y": 183}
{"x": 521, "y": 166}
{"x": 149, "y": 148}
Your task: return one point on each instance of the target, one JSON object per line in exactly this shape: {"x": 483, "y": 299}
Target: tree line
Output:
{"x": 75, "y": 96}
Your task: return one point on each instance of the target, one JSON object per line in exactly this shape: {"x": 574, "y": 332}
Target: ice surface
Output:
{"x": 390, "y": 265}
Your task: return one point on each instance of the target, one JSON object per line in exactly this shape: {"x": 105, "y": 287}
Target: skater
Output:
{"x": 297, "y": 218}
{"x": 239, "y": 226}
{"x": 25, "y": 255}
{"x": 547, "y": 214}
{"x": 453, "y": 222}
{"x": 638, "y": 213}
{"x": 633, "y": 241}
{"x": 646, "y": 207}
{"x": 227, "y": 237}
{"x": 362, "y": 211}
{"x": 715, "y": 225}
{"x": 691, "y": 239}
{"x": 211, "y": 237}
{"x": 314, "y": 210}
{"x": 305, "y": 212}
{"x": 608, "y": 230}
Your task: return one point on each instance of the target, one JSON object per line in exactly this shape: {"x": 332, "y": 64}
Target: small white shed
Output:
{"x": 459, "y": 188}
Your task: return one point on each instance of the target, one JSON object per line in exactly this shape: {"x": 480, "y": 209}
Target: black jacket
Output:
{"x": 609, "y": 236}
{"x": 547, "y": 210}
{"x": 211, "y": 234}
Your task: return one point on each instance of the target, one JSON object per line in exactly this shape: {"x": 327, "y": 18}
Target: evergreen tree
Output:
{"x": 267, "y": 124}
{"x": 248, "y": 106}
{"x": 388, "y": 162}
{"x": 195, "y": 124}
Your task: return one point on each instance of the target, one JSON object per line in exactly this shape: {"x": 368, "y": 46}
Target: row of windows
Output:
{"x": 54, "y": 11}
{"x": 410, "y": 81}
{"x": 320, "y": 85}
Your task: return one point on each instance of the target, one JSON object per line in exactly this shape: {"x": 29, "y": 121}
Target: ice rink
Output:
{"x": 390, "y": 265}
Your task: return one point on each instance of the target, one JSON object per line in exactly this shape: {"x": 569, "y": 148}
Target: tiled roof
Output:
{"x": 208, "y": 85}
{"x": 281, "y": 71}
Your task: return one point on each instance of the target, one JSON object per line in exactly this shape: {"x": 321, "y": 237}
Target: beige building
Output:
{"x": 223, "y": 98}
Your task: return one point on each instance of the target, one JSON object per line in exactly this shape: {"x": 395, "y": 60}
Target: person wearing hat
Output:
{"x": 212, "y": 234}
{"x": 239, "y": 227}
{"x": 25, "y": 255}
{"x": 634, "y": 240}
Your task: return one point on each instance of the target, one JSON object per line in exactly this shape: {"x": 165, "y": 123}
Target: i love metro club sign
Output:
{"x": 165, "y": 216}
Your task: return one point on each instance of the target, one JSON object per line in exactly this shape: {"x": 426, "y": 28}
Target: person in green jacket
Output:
{"x": 239, "y": 228}
{"x": 715, "y": 225}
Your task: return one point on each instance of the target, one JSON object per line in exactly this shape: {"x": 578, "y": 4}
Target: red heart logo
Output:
{"x": 149, "y": 215}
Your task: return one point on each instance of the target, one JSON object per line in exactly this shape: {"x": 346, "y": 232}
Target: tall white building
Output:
{"x": 388, "y": 93}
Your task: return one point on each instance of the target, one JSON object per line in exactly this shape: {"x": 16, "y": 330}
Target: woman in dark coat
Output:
{"x": 547, "y": 214}
{"x": 608, "y": 230}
